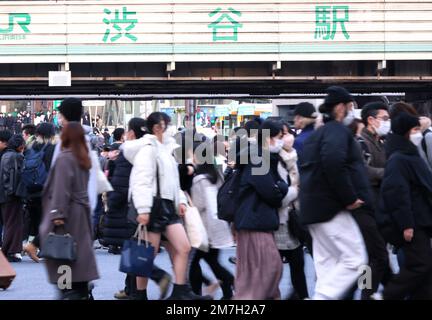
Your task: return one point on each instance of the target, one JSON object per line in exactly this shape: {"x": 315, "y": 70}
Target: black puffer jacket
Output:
{"x": 116, "y": 225}
{"x": 406, "y": 189}
{"x": 332, "y": 174}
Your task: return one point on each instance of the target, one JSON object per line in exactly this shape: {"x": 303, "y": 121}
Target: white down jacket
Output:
{"x": 204, "y": 197}
{"x": 144, "y": 154}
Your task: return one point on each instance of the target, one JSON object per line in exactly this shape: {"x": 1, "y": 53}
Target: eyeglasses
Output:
{"x": 383, "y": 118}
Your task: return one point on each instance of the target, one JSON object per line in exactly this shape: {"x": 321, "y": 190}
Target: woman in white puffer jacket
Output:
{"x": 153, "y": 163}
{"x": 290, "y": 248}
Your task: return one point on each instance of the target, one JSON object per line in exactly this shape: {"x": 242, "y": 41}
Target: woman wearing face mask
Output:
{"x": 406, "y": 210}
{"x": 259, "y": 267}
{"x": 154, "y": 164}
{"x": 290, "y": 248}
{"x": 206, "y": 183}
{"x": 425, "y": 147}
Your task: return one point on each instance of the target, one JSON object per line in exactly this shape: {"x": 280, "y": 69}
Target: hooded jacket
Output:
{"x": 148, "y": 156}
{"x": 406, "y": 189}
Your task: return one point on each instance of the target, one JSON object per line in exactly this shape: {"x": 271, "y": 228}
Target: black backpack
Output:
{"x": 228, "y": 196}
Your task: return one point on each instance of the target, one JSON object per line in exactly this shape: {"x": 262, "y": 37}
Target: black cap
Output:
{"x": 403, "y": 123}
{"x": 335, "y": 95}
{"x": 305, "y": 109}
{"x": 71, "y": 109}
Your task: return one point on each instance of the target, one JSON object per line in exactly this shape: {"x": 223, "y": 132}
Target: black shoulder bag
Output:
{"x": 59, "y": 247}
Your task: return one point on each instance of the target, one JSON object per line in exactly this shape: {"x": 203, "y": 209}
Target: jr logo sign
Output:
{"x": 20, "y": 19}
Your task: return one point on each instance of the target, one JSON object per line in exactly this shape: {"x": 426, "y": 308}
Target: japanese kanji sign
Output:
{"x": 225, "y": 22}
{"x": 327, "y": 20}
{"x": 122, "y": 25}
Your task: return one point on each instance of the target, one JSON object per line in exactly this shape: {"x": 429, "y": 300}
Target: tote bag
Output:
{"x": 195, "y": 228}
{"x": 137, "y": 256}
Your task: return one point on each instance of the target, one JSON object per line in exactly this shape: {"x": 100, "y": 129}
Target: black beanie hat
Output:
{"x": 403, "y": 123}
{"x": 16, "y": 141}
{"x": 45, "y": 130}
{"x": 335, "y": 95}
{"x": 305, "y": 109}
{"x": 138, "y": 126}
{"x": 71, "y": 109}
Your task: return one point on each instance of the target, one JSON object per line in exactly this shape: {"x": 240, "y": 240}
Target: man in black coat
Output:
{"x": 12, "y": 195}
{"x": 5, "y": 135}
{"x": 406, "y": 210}
{"x": 334, "y": 182}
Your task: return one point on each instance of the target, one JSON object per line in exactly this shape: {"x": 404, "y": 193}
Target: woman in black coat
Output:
{"x": 117, "y": 228}
{"x": 261, "y": 191}
{"x": 405, "y": 210}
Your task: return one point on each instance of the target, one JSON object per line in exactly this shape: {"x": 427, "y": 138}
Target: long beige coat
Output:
{"x": 65, "y": 197}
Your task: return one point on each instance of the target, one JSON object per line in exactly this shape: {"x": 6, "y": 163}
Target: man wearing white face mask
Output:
{"x": 376, "y": 119}
{"x": 333, "y": 184}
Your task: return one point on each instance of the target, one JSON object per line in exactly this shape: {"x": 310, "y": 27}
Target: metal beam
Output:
{"x": 144, "y": 97}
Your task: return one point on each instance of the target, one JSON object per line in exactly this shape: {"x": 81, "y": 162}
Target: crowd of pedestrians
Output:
{"x": 349, "y": 192}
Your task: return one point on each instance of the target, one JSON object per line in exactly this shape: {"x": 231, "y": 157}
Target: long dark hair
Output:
{"x": 207, "y": 168}
{"x": 73, "y": 138}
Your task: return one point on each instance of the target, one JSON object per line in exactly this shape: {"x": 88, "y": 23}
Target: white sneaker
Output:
{"x": 377, "y": 296}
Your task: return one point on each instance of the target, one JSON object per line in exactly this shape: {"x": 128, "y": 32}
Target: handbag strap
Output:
{"x": 157, "y": 179}
{"x": 141, "y": 230}
{"x": 189, "y": 199}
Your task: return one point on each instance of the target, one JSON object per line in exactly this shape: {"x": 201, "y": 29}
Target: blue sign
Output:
{"x": 265, "y": 115}
{"x": 222, "y": 111}
{"x": 246, "y": 110}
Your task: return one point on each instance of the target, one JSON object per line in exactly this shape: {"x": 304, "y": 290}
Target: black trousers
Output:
{"x": 295, "y": 258}
{"x": 130, "y": 281}
{"x": 33, "y": 217}
{"x": 222, "y": 274}
{"x": 415, "y": 277}
{"x": 376, "y": 250}
{"x": 13, "y": 226}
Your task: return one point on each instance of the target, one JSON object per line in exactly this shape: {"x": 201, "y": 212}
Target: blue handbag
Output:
{"x": 137, "y": 256}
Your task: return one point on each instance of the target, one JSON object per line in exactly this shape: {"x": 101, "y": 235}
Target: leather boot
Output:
{"x": 184, "y": 292}
{"x": 140, "y": 295}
